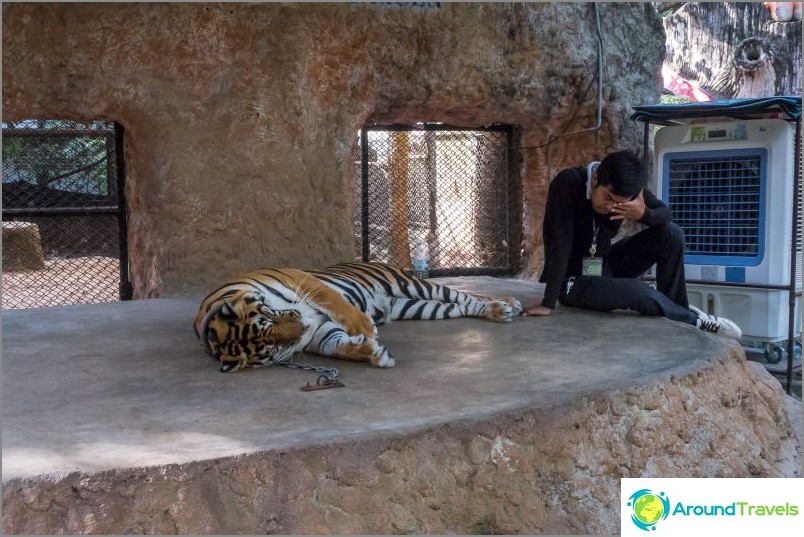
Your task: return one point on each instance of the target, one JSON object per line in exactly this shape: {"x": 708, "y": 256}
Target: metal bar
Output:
{"x": 364, "y": 194}
{"x": 645, "y": 146}
{"x": 513, "y": 192}
{"x": 432, "y": 200}
{"x": 126, "y": 290}
{"x": 479, "y": 271}
{"x": 437, "y": 127}
{"x": 43, "y": 133}
{"x": 733, "y": 284}
{"x": 64, "y": 211}
{"x": 791, "y": 313}
{"x": 508, "y": 212}
{"x": 111, "y": 171}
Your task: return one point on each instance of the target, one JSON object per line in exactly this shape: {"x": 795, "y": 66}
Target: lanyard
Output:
{"x": 595, "y": 229}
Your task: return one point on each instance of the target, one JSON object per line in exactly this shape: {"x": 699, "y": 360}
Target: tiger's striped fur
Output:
{"x": 265, "y": 316}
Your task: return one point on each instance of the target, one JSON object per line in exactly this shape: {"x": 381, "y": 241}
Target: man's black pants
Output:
{"x": 618, "y": 288}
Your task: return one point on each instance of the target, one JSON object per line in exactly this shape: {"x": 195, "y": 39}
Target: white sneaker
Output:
{"x": 716, "y": 325}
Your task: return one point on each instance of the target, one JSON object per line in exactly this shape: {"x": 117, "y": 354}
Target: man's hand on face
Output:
{"x": 632, "y": 210}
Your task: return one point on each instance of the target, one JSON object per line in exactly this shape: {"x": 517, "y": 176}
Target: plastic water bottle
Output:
{"x": 421, "y": 261}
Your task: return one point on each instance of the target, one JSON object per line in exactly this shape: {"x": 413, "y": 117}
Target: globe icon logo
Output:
{"x": 648, "y": 508}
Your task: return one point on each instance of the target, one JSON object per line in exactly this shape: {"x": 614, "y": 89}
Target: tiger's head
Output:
{"x": 242, "y": 331}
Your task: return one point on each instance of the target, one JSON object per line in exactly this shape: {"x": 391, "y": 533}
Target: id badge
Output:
{"x": 592, "y": 266}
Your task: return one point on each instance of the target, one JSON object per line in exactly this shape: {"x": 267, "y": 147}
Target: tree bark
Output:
{"x": 399, "y": 250}
{"x": 734, "y": 50}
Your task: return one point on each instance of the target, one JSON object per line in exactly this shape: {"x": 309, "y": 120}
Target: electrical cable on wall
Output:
{"x": 599, "y": 124}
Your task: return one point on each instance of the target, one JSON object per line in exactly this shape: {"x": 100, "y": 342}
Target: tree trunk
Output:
{"x": 734, "y": 50}
{"x": 399, "y": 250}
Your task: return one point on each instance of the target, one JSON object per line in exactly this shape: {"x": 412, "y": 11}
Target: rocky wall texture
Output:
{"x": 241, "y": 119}
{"x": 552, "y": 470}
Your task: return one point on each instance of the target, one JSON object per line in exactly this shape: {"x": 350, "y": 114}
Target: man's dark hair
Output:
{"x": 625, "y": 173}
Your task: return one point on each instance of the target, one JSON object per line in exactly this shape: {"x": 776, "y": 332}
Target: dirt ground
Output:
{"x": 82, "y": 280}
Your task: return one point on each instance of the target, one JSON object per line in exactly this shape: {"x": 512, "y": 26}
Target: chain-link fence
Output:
{"x": 63, "y": 214}
{"x": 454, "y": 190}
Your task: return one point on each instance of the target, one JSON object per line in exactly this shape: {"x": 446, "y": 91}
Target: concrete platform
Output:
{"x": 122, "y": 396}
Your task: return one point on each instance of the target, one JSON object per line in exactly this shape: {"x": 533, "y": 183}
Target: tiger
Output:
{"x": 265, "y": 316}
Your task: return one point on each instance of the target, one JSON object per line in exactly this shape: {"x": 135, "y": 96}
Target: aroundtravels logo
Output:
{"x": 648, "y": 508}
{"x": 710, "y": 506}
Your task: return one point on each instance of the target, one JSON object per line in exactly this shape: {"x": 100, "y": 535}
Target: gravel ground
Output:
{"x": 82, "y": 280}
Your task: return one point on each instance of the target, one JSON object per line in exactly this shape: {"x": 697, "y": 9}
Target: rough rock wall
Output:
{"x": 735, "y": 49}
{"x": 553, "y": 471}
{"x": 241, "y": 119}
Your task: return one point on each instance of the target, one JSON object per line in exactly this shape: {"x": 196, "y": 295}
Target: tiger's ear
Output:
{"x": 227, "y": 311}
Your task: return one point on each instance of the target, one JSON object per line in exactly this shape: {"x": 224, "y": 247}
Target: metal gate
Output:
{"x": 457, "y": 190}
{"x": 64, "y": 214}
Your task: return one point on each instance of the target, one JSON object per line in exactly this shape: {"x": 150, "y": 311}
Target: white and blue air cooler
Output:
{"x": 729, "y": 186}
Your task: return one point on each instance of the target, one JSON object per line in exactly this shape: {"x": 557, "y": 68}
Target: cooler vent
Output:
{"x": 717, "y": 198}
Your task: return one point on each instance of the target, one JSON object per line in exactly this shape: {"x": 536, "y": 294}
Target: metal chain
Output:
{"x": 327, "y": 379}
{"x": 332, "y": 374}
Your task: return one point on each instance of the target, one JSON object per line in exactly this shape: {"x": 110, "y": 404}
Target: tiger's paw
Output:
{"x": 360, "y": 324}
{"x": 381, "y": 356}
{"x": 515, "y": 304}
{"x": 364, "y": 349}
{"x": 500, "y": 311}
